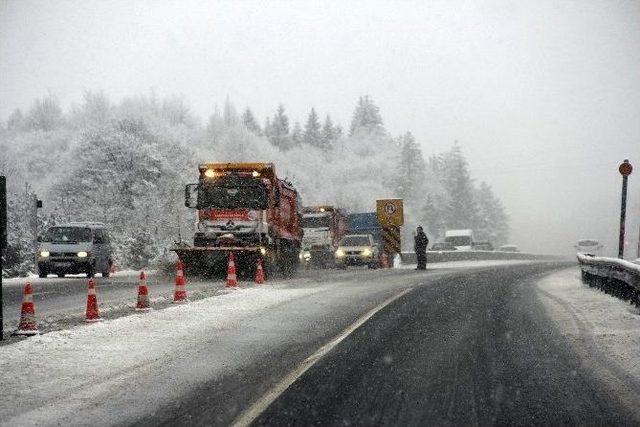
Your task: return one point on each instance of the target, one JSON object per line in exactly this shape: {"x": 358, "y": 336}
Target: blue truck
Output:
{"x": 365, "y": 223}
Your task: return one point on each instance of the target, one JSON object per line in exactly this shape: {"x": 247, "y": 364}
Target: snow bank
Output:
{"x": 85, "y": 363}
{"x": 605, "y": 330}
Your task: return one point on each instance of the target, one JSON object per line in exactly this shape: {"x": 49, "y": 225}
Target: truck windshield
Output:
{"x": 459, "y": 240}
{"x": 232, "y": 194}
{"x": 355, "y": 241}
{"x": 67, "y": 235}
{"x": 316, "y": 222}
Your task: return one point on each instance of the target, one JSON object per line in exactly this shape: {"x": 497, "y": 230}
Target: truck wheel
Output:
{"x": 90, "y": 271}
{"x": 105, "y": 273}
{"x": 61, "y": 275}
{"x": 42, "y": 274}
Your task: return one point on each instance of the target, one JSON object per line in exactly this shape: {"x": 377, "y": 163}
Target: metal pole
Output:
{"x": 3, "y": 242}
{"x": 623, "y": 214}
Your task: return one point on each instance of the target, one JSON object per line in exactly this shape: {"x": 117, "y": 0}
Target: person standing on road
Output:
{"x": 420, "y": 246}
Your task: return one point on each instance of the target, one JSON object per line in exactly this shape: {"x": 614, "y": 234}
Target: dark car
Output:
{"x": 442, "y": 246}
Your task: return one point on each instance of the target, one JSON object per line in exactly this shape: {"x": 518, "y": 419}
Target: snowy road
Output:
{"x": 461, "y": 347}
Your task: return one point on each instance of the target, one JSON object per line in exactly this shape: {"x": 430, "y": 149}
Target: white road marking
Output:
{"x": 258, "y": 407}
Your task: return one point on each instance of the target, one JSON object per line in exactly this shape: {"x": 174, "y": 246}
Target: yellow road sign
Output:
{"x": 390, "y": 212}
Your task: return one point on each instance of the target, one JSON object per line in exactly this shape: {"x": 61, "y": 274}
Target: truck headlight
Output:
{"x": 367, "y": 252}
{"x": 82, "y": 254}
{"x": 339, "y": 253}
{"x": 44, "y": 254}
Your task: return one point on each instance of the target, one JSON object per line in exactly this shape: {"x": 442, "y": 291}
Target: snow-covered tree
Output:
{"x": 297, "y": 137}
{"x": 16, "y": 121}
{"x": 328, "y": 133}
{"x": 250, "y": 122}
{"x": 45, "y": 114}
{"x": 279, "y": 130}
{"x": 312, "y": 132}
{"x": 366, "y": 116}
{"x": 492, "y": 219}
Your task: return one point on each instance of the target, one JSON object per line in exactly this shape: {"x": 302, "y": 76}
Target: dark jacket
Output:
{"x": 421, "y": 242}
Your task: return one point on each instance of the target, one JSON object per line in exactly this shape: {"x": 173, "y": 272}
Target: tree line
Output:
{"x": 125, "y": 163}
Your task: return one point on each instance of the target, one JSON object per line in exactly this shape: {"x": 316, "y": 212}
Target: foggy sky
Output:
{"x": 543, "y": 96}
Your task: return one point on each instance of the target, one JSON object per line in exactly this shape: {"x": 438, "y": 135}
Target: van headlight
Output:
{"x": 339, "y": 253}
{"x": 367, "y": 252}
{"x": 44, "y": 254}
{"x": 82, "y": 254}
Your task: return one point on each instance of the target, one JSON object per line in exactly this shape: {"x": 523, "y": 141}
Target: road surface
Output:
{"x": 445, "y": 347}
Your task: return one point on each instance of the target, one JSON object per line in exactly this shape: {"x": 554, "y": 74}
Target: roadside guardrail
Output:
{"x": 614, "y": 276}
{"x": 446, "y": 256}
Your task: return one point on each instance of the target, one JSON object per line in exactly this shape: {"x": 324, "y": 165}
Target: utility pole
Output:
{"x": 625, "y": 170}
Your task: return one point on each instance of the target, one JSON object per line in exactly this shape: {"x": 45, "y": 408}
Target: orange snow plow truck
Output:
{"x": 246, "y": 209}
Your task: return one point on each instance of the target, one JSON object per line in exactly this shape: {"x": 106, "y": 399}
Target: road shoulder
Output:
{"x": 603, "y": 330}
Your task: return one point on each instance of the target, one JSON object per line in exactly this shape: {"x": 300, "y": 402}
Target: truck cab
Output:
{"x": 323, "y": 228}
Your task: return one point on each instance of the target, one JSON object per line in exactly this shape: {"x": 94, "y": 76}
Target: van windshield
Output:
{"x": 67, "y": 235}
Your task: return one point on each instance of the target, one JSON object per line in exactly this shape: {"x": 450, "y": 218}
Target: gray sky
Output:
{"x": 543, "y": 96}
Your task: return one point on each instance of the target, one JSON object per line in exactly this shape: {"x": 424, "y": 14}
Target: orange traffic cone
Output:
{"x": 180, "y": 294}
{"x": 92, "y": 314}
{"x": 259, "y": 279}
{"x": 143, "y": 294}
{"x": 27, "y": 325}
{"x": 232, "y": 281}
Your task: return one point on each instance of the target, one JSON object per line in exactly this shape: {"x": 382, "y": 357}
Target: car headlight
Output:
{"x": 263, "y": 251}
{"x": 44, "y": 254}
{"x": 82, "y": 254}
{"x": 339, "y": 253}
{"x": 367, "y": 252}
{"x": 306, "y": 255}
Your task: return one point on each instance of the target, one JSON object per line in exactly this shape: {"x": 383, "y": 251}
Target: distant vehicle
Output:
{"x": 323, "y": 227}
{"x": 589, "y": 247}
{"x": 482, "y": 246}
{"x": 508, "y": 248}
{"x": 366, "y": 223}
{"x": 442, "y": 246}
{"x": 357, "y": 249}
{"x": 74, "y": 248}
{"x": 461, "y": 239}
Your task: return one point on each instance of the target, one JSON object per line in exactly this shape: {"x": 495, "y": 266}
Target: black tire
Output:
{"x": 61, "y": 275}
{"x": 42, "y": 275}
{"x": 105, "y": 273}
{"x": 91, "y": 272}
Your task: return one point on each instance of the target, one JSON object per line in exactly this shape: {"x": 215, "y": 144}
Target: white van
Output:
{"x": 461, "y": 239}
{"x": 73, "y": 248}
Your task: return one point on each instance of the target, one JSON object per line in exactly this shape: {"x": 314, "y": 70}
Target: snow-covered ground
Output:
{"x": 603, "y": 329}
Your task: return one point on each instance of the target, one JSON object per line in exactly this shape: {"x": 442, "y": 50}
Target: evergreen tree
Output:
{"x": 410, "y": 170}
{"x": 297, "y": 137}
{"x": 279, "y": 130}
{"x": 250, "y": 122}
{"x": 312, "y": 133}
{"x": 432, "y": 215}
{"x": 328, "y": 133}
{"x": 462, "y": 210}
{"x": 366, "y": 116}
{"x": 229, "y": 114}
{"x": 492, "y": 219}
